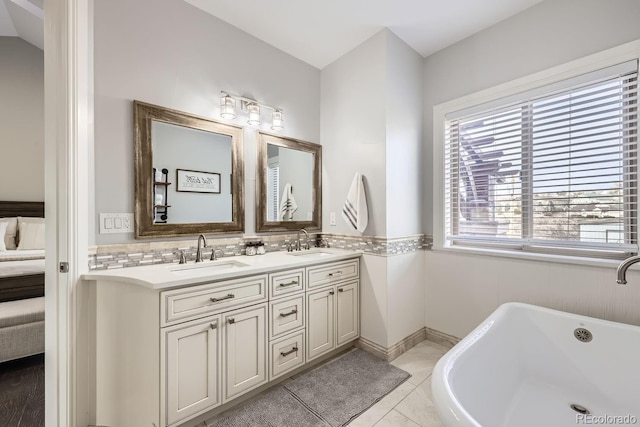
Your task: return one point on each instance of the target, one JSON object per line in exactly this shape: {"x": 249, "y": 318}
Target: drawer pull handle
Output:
{"x": 286, "y": 353}
{"x": 214, "y": 325}
{"x": 294, "y": 311}
{"x": 337, "y": 273}
{"x": 231, "y": 320}
{"x": 331, "y": 292}
{"x": 340, "y": 290}
{"x": 293, "y": 282}
{"x": 229, "y": 296}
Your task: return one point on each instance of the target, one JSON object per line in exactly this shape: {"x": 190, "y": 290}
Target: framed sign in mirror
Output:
{"x": 289, "y": 184}
{"x": 206, "y": 160}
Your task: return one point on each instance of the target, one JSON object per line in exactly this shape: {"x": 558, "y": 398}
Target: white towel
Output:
{"x": 355, "y": 211}
{"x": 288, "y": 204}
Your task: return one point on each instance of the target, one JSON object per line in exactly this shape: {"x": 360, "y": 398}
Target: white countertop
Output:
{"x": 162, "y": 276}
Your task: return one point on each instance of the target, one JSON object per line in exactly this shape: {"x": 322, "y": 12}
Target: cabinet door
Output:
{"x": 347, "y": 319}
{"x": 320, "y": 314}
{"x": 245, "y": 344}
{"x": 192, "y": 368}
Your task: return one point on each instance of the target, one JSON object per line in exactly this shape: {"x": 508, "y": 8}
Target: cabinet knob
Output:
{"x": 231, "y": 320}
{"x": 331, "y": 292}
{"x": 214, "y": 325}
{"x": 340, "y": 290}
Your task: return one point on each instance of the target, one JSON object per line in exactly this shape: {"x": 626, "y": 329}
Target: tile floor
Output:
{"x": 411, "y": 404}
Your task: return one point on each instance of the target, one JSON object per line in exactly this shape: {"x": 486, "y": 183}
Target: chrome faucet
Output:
{"x": 201, "y": 238}
{"x": 623, "y": 267}
{"x": 298, "y": 245}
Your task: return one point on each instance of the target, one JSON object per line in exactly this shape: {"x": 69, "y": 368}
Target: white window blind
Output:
{"x": 551, "y": 170}
{"x": 273, "y": 183}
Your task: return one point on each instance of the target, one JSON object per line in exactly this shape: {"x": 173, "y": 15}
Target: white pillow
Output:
{"x": 10, "y": 232}
{"x": 31, "y": 235}
{"x": 3, "y": 231}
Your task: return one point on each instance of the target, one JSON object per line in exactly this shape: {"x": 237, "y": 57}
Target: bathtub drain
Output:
{"x": 582, "y": 334}
{"x": 579, "y": 409}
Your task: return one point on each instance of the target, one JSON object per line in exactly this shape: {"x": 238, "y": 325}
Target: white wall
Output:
{"x": 463, "y": 289}
{"x": 404, "y": 139}
{"x": 353, "y": 124}
{"x": 371, "y": 123}
{"x": 170, "y": 53}
{"x": 21, "y": 120}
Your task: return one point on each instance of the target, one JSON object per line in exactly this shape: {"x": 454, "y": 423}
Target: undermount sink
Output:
{"x": 206, "y": 267}
{"x": 310, "y": 253}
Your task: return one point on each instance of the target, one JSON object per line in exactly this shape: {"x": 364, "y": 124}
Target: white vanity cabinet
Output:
{"x": 168, "y": 354}
{"x": 332, "y": 308}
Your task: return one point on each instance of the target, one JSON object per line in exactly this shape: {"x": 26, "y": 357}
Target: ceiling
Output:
{"x": 319, "y": 32}
{"x": 24, "y": 19}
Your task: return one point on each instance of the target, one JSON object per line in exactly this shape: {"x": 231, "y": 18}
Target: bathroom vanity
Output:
{"x": 175, "y": 341}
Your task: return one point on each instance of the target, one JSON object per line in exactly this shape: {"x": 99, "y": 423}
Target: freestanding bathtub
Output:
{"x": 527, "y": 366}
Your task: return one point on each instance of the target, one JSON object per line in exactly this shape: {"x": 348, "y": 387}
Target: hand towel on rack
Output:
{"x": 355, "y": 211}
{"x": 288, "y": 204}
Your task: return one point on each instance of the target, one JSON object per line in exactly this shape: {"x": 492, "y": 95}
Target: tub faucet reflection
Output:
{"x": 624, "y": 266}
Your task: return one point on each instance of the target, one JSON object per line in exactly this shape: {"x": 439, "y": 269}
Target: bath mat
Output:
{"x": 275, "y": 408}
{"x": 342, "y": 389}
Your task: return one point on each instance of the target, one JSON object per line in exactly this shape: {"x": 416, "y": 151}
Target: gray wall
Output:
{"x": 169, "y": 53}
{"x": 21, "y": 120}
{"x": 551, "y": 33}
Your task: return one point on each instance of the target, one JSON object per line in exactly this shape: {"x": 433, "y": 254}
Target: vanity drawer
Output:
{"x": 286, "y": 315}
{"x": 286, "y": 283}
{"x": 330, "y": 273}
{"x": 203, "y": 300}
{"x": 286, "y": 354}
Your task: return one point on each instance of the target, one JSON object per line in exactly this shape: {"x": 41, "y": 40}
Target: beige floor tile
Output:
{"x": 420, "y": 360}
{"x": 419, "y": 407}
{"x": 386, "y": 404}
{"x": 395, "y": 419}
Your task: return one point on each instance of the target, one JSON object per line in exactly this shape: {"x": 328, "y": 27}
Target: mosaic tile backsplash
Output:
{"x": 146, "y": 253}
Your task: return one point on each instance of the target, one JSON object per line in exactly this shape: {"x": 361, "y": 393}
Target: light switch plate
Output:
{"x": 116, "y": 223}
{"x": 332, "y": 218}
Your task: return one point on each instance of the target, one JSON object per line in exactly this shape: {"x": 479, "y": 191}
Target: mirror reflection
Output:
{"x": 189, "y": 174}
{"x": 192, "y": 175}
{"x": 289, "y": 184}
{"x": 289, "y": 192}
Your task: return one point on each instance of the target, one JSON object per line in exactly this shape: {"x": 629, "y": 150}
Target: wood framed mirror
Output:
{"x": 189, "y": 174}
{"x": 288, "y": 184}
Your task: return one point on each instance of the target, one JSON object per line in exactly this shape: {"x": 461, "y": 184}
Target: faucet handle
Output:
{"x": 182, "y": 257}
{"x": 213, "y": 254}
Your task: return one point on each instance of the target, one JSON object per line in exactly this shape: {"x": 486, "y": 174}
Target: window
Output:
{"x": 551, "y": 170}
{"x": 273, "y": 183}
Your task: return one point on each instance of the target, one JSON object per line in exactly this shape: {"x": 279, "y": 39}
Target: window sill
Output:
{"x": 528, "y": 256}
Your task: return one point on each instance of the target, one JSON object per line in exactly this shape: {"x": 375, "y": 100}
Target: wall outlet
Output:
{"x": 116, "y": 223}
{"x": 332, "y": 218}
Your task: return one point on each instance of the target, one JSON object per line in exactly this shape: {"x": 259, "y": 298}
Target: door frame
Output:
{"x": 68, "y": 30}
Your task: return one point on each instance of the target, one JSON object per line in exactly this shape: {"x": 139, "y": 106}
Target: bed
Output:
{"x": 22, "y": 283}
{"x": 21, "y": 271}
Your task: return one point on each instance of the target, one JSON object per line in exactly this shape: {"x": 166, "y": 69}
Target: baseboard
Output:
{"x": 406, "y": 344}
{"x": 441, "y": 338}
{"x": 395, "y": 350}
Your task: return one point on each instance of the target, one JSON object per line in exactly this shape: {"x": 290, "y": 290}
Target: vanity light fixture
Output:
{"x": 227, "y": 106}
{"x": 254, "y": 113}
{"x": 252, "y": 108}
{"x": 277, "y": 120}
